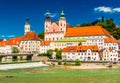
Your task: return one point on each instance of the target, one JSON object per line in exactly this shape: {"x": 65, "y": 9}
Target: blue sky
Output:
{"x": 13, "y": 13}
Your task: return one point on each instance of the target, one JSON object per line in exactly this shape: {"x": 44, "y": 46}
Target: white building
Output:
{"x": 109, "y": 54}
{"x": 30, "y": 43}
{"x": 45, "y": 46}
{"x": 83, "y": 53}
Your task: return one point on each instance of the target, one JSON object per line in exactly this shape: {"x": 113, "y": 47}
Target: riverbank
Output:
{"x": 21, "y": 65}
{"x": 90, "y": 66}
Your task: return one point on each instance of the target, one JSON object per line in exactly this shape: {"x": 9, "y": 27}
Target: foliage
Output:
{"x": 41, "y": 35}
{"x": 111, "y": 27}
{"x": 15, "y": 50}
{"x": 77, "y": 62}
{"x": 86, "y": 24}
{"x": 108, "y": 24}
{"x": 49, "y": 54}
{"x": 58, "y": 54}
{"x": 59, "y": 63}
{"x": 79, "y": 44}
{"x": 42, "y": 54}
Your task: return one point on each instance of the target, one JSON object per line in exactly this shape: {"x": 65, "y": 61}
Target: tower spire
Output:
{"x": 48, "y": 14}
{"x": 62, "y": 15}
{"x": 27, "y": 21}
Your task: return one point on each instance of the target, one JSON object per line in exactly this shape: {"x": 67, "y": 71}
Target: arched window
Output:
{"x": 46, "y": 26}
{"x": 61, "y": 24}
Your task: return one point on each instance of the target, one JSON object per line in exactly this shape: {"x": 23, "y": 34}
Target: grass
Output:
{"x": 52, "y": 75}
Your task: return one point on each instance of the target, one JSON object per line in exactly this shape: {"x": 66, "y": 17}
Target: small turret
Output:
{"x": 48, "y": 15}
{"x": 62, "y": 15}
{"x": 62, "y": 22}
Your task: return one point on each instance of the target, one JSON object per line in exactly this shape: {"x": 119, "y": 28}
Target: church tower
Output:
{"x": 62, "y": 22}
{"x": 47, "y": 26}
{"x": 27, "y": 26}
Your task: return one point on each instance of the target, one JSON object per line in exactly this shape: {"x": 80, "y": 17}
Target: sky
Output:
{"x": 13, "y": 13}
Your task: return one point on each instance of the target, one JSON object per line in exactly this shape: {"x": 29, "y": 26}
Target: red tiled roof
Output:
{"x": 31, "y": 36}
{"x": 92, "y": 47}
{"x": 86, "y": 31}
{"x": 118, "y": 41}
{"x": 110, "y": 40}
{"x": 45, "y": 43}
{"x": 75, "y": 48}
{"x": 3, "y": 43}
{"x": 70, "y": 49}
{"x": 14, "y": 41}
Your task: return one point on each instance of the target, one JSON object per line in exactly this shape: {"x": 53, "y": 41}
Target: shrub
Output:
{"x": 59, "y": 63}
{"x": 77, "y": 63}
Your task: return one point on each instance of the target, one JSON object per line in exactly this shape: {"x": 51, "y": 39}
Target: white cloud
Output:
{"x": 11, "y": 36}
{"x": 116, "y": 9}
{"x": 52, "y": 15}
{"x": 107, "y": 9}
{"x": 103, "y": 9}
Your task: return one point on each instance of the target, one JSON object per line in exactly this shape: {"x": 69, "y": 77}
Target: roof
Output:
{"x": 86, "y": 31}
{"x": 45, "y": 43}
{"x": 31, "y": 36}
{"x": 1, "y": 40}
{"x": 83, "y": 48}
{"x": 118, "y": 41}
{"x": 14, "y": 41}
{"x": 70, "y": 49}
{"x": 3, "y": 43}
{"x": 92, "y": 47}
{"x": 110, "y": 40}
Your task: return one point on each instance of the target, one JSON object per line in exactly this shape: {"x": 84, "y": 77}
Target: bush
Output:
{"x": 59, "y": 63}
{"x": 77, "y": 63}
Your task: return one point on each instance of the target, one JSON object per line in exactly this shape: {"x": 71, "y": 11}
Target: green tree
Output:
{"x": 15, "y": 50}
{"x": 58, "y": 54}
{"x": 86, "y": 24}
{"x": 103, "y": 19}
{"x": 49, "y": 53}
{"x": 79, "y": 44}
{"x": 77, "y": 62}
{"x": 41, "y": 35}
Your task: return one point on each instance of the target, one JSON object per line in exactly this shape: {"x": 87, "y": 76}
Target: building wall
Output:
{"x": 88, "y": 55}
{"x": 29, "y": 46}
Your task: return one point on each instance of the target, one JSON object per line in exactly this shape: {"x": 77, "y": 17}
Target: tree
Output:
{"x": 77, "y": 62}
{"x": 58, "y": 54}
{"x": 49, "y": 54}
{"x": 41, "y": 35}
{"x": 15, "y": 50}
{"x": 102, "y": 18}
{"x": 79, "y": 44}
{"x": 86, "y": 24}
